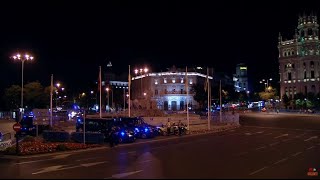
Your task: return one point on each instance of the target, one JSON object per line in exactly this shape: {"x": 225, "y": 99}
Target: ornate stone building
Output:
{"x": 168, "y": 89}
{"x": 299, "y": 59}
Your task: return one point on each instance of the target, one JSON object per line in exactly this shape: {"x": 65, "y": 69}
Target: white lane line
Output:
{"x": 286, "y": 140}
{"x": 282, "y": 135}
{"x": 130, "y": 152}
{"x": 296, "y": 154}
{"x": 248, "y": 134}
{"x": 310, "y": 147}
{"x": 300, "y": 135}
{"x": 88, "y": 158}
{"x": 274, "y": 144}
{"x": 260, "y": 132}
{"x": 262, "y": 147}
{"x": 60, "y": 167}
{"x": 282, "y": 160}
{"x": 122, "y": 175}
{"x": 254, "y": 172}
{"x": 313, "y": 137}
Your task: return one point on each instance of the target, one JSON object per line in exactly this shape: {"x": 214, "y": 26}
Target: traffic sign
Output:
{"x": 17, "y": 127}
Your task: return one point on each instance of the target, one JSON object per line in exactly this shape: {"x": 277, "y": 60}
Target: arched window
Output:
{"x": 311, "y": 64}
{"x": 302, "y": 33}
{"x": 309, "y": 32}
{"x": 304, "y": 65}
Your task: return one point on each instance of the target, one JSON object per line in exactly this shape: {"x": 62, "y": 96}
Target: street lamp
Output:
{"x": 108, "y": 89}
{"x": 57, "y": 92}
{"x": 266, "y": 82}
{"x": 140, "y": 72}
{"x": 24, "y": 58}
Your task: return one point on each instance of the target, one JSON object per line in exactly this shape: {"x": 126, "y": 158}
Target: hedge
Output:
{"x": 56, "y": 136}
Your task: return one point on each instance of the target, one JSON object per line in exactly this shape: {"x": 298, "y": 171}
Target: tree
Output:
{"x": 299, "y": 100}
{"x": 34, "y": 95}
{"x": 269, "y": 93}
{"x": 285, "y": 100}
{"x": 199, "y": 95}
{"x": 12, "y": 97}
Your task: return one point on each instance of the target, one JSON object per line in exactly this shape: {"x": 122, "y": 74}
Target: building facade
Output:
{"x": 168, "y": 89}
{"x": 299, "y": 59}
{"x": 240, "y": 78}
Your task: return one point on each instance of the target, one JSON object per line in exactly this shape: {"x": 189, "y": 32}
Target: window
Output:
{"x": 312, "y": 74}
{"x": 190, "y": 82}
{"x": 165, "y": 91}
{"x": 156, "y": 82}
{"x": 305, "y": 74}
{"x": 289, "y": 76}
{"x": 164, "y": 80}
{"x": 156, "y": 92}
{"x": 312, "y": 64}
{"x": 292, "y": 65}
{"x": 181, "y": 91}
{"x": 304, "y": 65}
{"x": 173, "y": 81}
{"x": 181, "y": 80}
{"x": 309, "y": 32}
{"x": 313, "y": 88}
{"x": 305, "y": 89}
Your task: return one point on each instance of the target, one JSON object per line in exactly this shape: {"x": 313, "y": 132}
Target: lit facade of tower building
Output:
{"x": 241, "y": 78}
{"x": 299, "y": 59}
{"x": 168, "y": 89}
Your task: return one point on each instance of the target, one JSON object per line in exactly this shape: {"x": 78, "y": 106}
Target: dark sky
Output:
{"x": 71, "y": 39}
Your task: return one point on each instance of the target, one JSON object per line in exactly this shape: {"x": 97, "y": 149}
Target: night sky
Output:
{"x": 71, "y": 39}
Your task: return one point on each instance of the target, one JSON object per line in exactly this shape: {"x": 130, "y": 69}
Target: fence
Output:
{"x": 5, "y": 141}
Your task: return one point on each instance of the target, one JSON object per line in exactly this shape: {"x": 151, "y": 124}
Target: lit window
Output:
{"x": 165, "y": 81}
{"x": 190, "y": 82}
{"x": 181, "y": 80}
{"x": 173, "y": 81}
{"x": 156, "y": 82}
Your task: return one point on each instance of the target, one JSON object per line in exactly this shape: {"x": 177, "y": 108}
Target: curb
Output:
{"x": 120, "y": 145}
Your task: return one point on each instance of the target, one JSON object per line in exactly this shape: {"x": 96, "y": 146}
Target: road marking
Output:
{"x": 260, "y": 132}
{"x": 273, "y": 144}
{"x": 286, "y": 140}
{"x": 61, "y": 156}
{"x": 313, "y": 137}
{"x": 310, "y": 147}
{"x": 254, "y": 172}
{"x": 300, "y": 135}
{"x": 282, "y": 135}
{"x": 60, "y": 167}
{"x": 282, "y": 160}
{"x": 248, "y": 134}
{"x": 266, "y": 127}
{"x": 122, "y": 175}
{"x": 261, "y": 147}
{"x": 296, "y": 154}
{"x": 130, "y": 152}
{"x": 87, "y": 158}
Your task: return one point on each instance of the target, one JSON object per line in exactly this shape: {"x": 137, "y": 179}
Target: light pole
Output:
{"x": 24, "y": 58}
{"x": 266, "y": 82}
{"x": 140, "y": 72}
{"x": 107, "y": 89}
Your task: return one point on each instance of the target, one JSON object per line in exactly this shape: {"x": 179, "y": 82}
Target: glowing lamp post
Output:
{"x": 24, "y": 58}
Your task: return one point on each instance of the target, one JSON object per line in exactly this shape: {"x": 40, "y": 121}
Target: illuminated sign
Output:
{"x": 243, "y": 68}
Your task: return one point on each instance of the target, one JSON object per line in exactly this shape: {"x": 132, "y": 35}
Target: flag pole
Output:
{"x": 51, "y": 95}
{"x": 220, "y": 104}
{"x": 100, "y": 91}
{"x": 208, "y": 89}
{"x": 187, "y": 85}
{"x": 129, "y": 86}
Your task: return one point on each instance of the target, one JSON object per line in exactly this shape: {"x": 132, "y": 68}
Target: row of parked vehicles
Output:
{"x": 125, "y": 129}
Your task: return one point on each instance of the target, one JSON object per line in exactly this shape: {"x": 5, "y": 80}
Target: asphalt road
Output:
{"x": 258, "y": 149}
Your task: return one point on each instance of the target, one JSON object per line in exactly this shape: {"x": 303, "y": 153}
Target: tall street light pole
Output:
{"x": 24, "y": 58}
{"x": 141, "y": 72}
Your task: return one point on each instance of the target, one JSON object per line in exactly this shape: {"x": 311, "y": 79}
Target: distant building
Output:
{"x": 299, "y": 59}
{"x": 240, "y": 78}
{"x": 168, "y": 89}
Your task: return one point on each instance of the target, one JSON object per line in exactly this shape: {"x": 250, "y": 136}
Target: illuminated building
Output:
{"x": 241, "y": 78}
{"x": 168, "y": 89}
{"x": 299, "y": 60}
